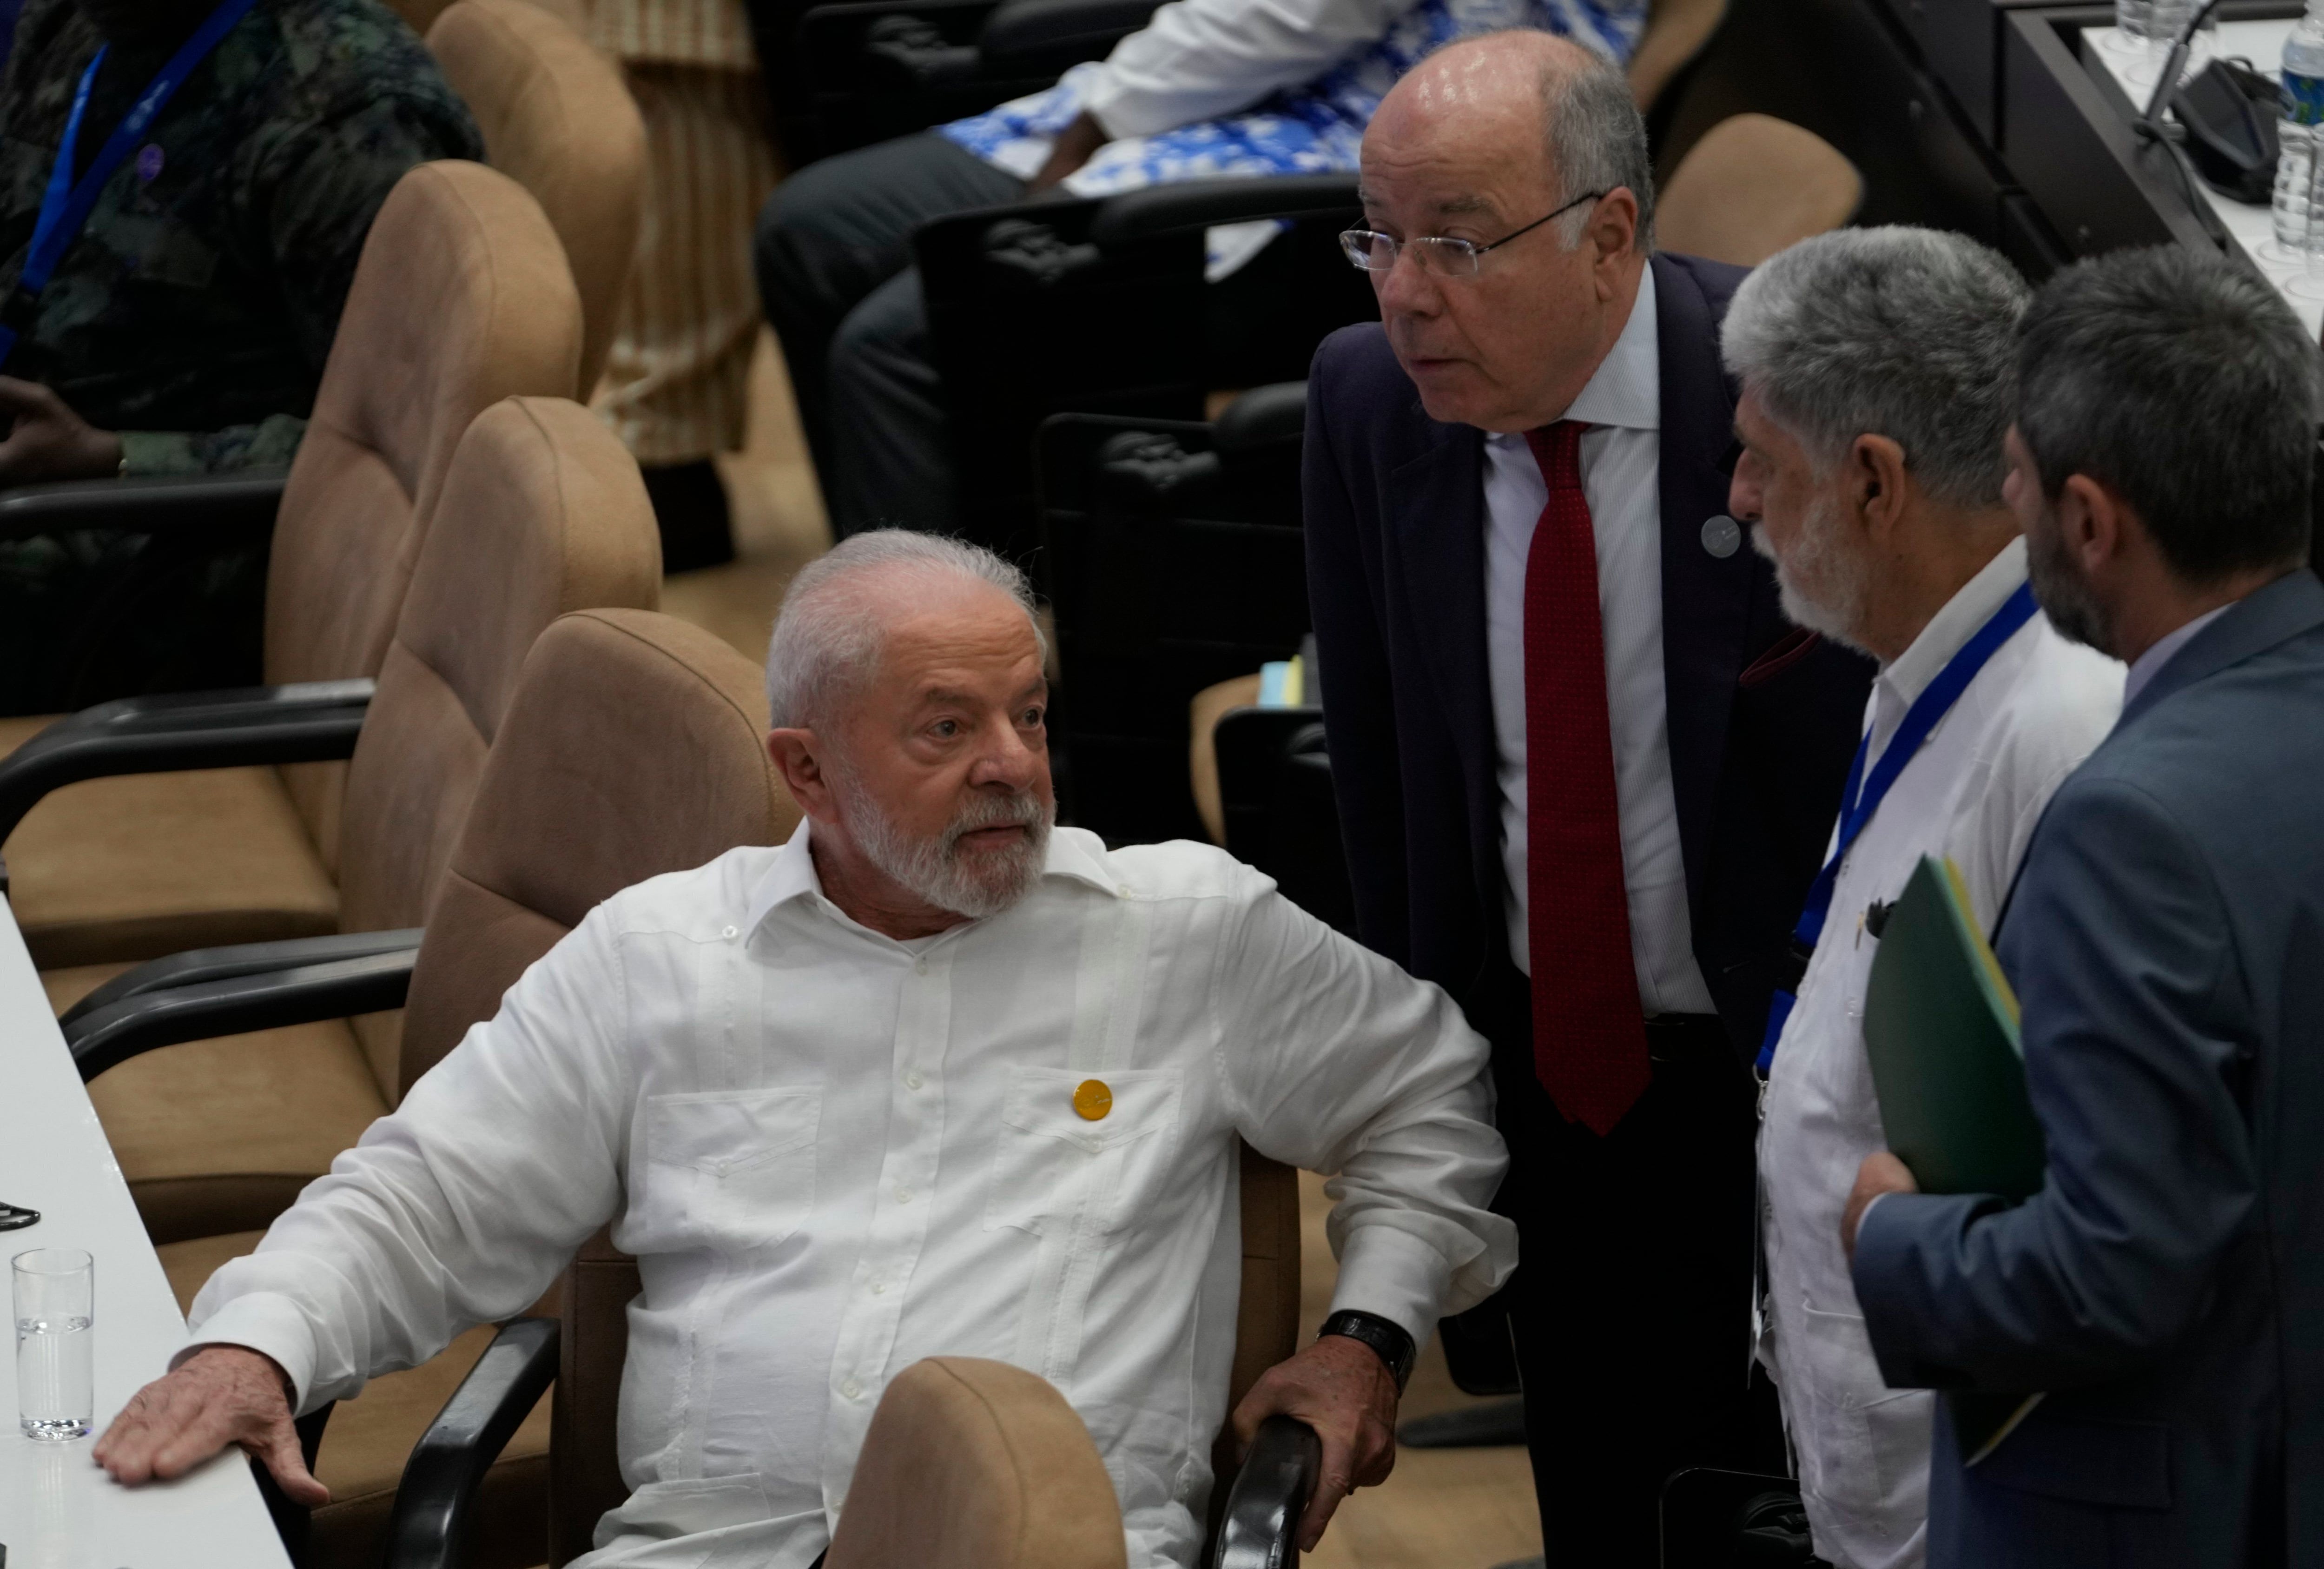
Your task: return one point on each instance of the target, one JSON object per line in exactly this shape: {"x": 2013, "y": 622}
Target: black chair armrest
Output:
{"x": 197, "y": 966}
{"x": 897, "y": 45}
{"x": 307, "y": 721}
{"x": 172, "y": 503}
{"x": 1264, "y": 417}
{"x": 1028, "y": 35}
{"x": 1260, "y": 1529}
{"x": 1197, "y": 204}
{"x": 106, "y": 1036}
{"x": 428, "y": 1529}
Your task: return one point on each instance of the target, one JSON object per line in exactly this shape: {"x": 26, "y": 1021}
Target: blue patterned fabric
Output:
{"x": 1305, "y": 130}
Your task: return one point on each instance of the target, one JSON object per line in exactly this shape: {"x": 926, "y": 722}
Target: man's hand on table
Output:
{"x": 1881, "y": 1174}
{"x": 1076, "y": 145}
{"x": 47, "y": 441}
{"x": 220, "y": 1395}
{"x": 1343, "y": 1390}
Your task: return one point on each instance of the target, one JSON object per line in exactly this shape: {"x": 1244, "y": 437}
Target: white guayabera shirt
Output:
{"x": 834, "y": 1154}
{"x": 1973, "y": 792}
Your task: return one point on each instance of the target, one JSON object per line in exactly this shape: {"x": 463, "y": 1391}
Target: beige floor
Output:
{"x": 1447, "y": 1509}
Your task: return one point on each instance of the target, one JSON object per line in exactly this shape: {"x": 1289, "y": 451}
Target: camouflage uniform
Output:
{"x": 195, "y": 309}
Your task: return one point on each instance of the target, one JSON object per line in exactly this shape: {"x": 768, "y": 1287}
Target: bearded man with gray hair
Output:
{"x": 933, "y": 1078}
{"x": 1878, "y": 370}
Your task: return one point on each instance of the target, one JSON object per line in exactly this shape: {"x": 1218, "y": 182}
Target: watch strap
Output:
{"x": 1388, "y": 1339}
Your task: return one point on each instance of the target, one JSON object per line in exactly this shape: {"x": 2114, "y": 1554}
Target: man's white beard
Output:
{"x": 1823, "y": 584}
{"x": 935, "y": 869}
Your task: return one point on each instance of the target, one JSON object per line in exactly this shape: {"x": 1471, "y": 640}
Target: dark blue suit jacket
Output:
{"x": 1763, "y": 717}
{"x": 2166, "y": 937}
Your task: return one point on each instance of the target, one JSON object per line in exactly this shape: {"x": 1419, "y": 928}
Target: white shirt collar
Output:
{"x": 1627, "y": 388}
{"x": 1971, "y": 607}
{"x": 2149, "y": 665}
{"x": 792, "y": 874}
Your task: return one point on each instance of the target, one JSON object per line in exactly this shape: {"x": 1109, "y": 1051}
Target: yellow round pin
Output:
{"x": 1093, "y": 1100}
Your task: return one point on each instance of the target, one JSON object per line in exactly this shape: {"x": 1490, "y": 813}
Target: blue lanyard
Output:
{"x": 1860, "y": 797}
{"x": 65, "y": 205}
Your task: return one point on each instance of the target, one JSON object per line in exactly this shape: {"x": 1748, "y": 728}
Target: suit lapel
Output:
{"x": 1706, "y": 599}
{"x": 1436, "y": 530}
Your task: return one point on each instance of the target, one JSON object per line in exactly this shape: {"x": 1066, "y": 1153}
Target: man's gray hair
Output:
{"x": 1900, "y": 332}
{"x": 2186, "y": 384}
{"x": 1597, "y": 142}
{"x": 825, "y": 645}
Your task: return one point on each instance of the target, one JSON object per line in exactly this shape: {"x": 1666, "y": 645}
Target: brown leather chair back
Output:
{"x": 634, "y": 745}
{"x": 978, "y": 1464}
{"x": 1752, "y": 186}
{"x": 542, "y": 513}
{"x": 584, "y": 1471}
{"x": 461, "y": 297}
{"x": 556, "y": 119}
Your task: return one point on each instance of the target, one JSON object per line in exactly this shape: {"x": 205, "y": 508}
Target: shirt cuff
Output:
{"x": 266, "y": 1322}
{"x": 1389, "y": 1271}
{"x": 158, "y": 452}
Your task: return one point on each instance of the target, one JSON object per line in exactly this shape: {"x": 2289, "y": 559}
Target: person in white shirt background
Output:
{"x": 829, "y": 1095}
{"x": 1877, "y": 369}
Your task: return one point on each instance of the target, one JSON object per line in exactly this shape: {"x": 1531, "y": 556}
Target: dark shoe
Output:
{"x": 689, "y": 503}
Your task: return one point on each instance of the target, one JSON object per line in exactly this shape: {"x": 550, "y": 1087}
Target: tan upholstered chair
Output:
{"x": 115, "y": 869}
{"x": 556, "y": 119}
{"x": 633, "y": 745}
{"x": 543, "y": 512}
{"x": 977, "y": 1465}
{"x": 1752, "y": 186}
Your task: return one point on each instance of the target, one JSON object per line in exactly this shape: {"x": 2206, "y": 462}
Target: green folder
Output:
{"x": 1941, "y": 1027}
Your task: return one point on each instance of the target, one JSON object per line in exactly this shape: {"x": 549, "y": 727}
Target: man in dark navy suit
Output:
{"x": 1586, "y": 771}
{"x": 2166, "y": 939}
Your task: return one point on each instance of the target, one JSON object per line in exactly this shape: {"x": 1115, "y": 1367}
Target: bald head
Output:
{"x": 1527, "y": 102}
{"x": 1510, "y": 171}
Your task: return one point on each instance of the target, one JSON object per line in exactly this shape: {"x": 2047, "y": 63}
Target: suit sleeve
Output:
{"x": 1351, "y": 654}
{"x": 2138, "y": 1033}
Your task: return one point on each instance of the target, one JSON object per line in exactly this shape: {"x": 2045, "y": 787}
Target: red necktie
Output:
{"x": 1588, "y": 1029}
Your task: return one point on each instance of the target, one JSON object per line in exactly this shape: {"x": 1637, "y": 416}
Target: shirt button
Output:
{"x": 878, "y": 1289}
{"x": 729, "y": 933}
{"x": 920, "y": 968}
{"x": 913, "y": 1081}
{"x": 903, "y": 1196}
{"x": 851, "y": 1389}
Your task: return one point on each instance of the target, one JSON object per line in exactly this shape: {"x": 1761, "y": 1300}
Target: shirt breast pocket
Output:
{"x": 1052, "y": 1167}
{"x": 730, "y": 1169}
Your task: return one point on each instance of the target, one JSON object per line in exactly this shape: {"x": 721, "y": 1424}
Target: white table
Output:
{"x": 2249, "y": 224}
{"x": 57, "y": 1510}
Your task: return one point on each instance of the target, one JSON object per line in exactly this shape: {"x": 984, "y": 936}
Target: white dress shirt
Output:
{"x": 2149, "y": 665}
{"x": 1621, "y": 454}
{"x": 1973, "y": 792}
{"x": 834, "y": 1154}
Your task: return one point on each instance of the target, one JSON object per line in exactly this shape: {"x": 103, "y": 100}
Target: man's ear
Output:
{"x": 2093, "y": 522}
{"x": 1613, "y": 235}
{"x": 798, "y": 756}
{"x": 1877, "y": 483}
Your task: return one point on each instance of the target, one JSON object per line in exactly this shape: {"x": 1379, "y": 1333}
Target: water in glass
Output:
{"x": 54, "y": 1396}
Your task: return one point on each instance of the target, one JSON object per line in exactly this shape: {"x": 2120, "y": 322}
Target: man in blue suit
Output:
{"x": 1585, "y": 768}
{"x": 2166, "y": 938}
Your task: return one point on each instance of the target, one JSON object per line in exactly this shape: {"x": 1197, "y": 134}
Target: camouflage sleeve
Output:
{"x": 268, "y": 443}
{"x": 330, "y": 183}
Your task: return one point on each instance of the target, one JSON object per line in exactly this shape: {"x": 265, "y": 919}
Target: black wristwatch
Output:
{"x": 1387, "y": 1338}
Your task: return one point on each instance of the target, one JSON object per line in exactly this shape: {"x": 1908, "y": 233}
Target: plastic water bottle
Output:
{"x": 2296, "y": 131}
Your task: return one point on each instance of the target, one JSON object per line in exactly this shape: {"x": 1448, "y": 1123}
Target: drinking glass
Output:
{"x": 56, "y": 1297}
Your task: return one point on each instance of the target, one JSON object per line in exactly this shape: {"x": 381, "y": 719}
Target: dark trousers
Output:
{"x": 1631, "y": 1316}
{"x": 834, "y": 253}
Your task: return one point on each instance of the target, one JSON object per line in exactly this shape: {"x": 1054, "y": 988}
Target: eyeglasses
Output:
{"x": 1374, "y": 251}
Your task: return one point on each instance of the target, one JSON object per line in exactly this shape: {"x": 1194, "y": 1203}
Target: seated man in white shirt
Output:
{"x": 1877, "y": 368}
{"x": 932, "y": 1078}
